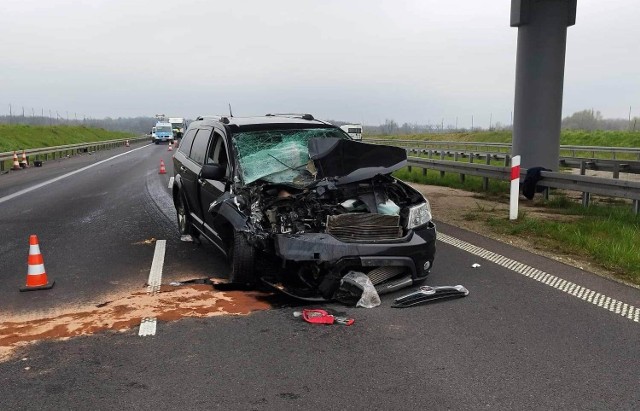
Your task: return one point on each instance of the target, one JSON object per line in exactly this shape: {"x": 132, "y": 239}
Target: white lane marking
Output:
{"x": 155, "y": 274}
{"x": 610, "y": 304}
{"x": 148, "y": 325}
{"x": 170, "y": 183}
{"x": 53, "y": 180}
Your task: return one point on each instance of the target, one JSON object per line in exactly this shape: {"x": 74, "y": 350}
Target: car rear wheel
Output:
{"x": 243, "y": 261}
{"x": 184, "y": 221}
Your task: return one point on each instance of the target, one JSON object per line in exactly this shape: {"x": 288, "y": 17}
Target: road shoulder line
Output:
{"x": 610, "y": 304}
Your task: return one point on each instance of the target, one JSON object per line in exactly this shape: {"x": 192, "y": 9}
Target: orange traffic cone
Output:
{"x": 126, "y": 143}
{"x": 36, "y": 276}
{"x": 16, "y": 165}
{"x": 24, "y": 163}
{"x": 162, "y": 169}
{"x": 170, "y": 147}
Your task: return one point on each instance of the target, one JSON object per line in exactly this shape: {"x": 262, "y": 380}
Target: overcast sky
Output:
{"x": 415, "y": 61}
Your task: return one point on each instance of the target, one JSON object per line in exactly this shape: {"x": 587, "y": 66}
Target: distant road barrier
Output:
{"x": 583, "y": 163}
{"x": 586, "y": 184}
{"x": 47, "y": 153}
{"x": 484, "y": 147}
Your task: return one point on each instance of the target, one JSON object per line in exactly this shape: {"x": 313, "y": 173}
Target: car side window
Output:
{"x": 199, "y": 147}
{"x": 217, "y": 150}
{"x": 187, "y": 140}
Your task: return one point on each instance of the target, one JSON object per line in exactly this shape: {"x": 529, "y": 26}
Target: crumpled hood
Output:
{"x": 351, "y": 161}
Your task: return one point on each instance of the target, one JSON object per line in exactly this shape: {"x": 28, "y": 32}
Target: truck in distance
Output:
{"x": 354, "y": 131}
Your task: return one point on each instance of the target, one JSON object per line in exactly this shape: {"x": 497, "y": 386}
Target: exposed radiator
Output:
{"x": 364, "y": 227}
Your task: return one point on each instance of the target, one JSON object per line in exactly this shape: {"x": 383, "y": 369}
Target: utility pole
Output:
{"x": 472, "y": 122}
{"x": 10, "y": 114}
{"x": 490, "y": 120}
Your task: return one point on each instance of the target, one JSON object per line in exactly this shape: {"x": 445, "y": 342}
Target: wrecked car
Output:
{"x": 295, "y": 204}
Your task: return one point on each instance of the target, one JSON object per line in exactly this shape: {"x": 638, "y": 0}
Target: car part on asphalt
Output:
{"x": 357, "y": 289}
{"x": 320, "y": 316}
{"x": 425, "y": 294}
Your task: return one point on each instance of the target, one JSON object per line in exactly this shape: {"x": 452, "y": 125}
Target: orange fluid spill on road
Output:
{"x": 126, "y": 312}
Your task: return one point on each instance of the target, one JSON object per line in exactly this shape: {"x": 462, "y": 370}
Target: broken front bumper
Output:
{"x": 415, "y": 251}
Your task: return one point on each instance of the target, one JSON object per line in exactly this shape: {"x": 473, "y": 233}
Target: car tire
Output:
{"x": 243, "y": 261}
{"x": 185, "y": 226}
{"x": 157, "y": 142}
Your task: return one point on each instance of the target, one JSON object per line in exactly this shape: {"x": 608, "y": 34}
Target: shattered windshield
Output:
{"x": 277, "y": 156}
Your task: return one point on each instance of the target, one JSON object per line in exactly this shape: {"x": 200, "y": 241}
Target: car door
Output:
{"x": 212, "y": 190}
{"x": 190, "y": 170}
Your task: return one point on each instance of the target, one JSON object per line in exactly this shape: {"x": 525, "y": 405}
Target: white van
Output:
{"x": 354, "y": 131}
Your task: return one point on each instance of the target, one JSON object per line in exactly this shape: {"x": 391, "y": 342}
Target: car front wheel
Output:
{"x": 243, "y": 261}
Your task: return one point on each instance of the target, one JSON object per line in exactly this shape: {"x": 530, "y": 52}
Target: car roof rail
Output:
{"x": 222, "y": 119}
{"x": 304, "y": 116}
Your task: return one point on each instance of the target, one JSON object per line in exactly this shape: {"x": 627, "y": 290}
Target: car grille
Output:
{"x": 353, "y": 227}
{"x": 382, "y": 274}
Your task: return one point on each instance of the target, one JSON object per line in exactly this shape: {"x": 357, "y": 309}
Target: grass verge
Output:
{"x": 20, "y": 137}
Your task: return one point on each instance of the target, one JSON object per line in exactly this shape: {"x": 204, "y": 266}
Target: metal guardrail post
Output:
{"x": 507, "y": 160}
{"x": 455, "y": 158}
{"x": 441, "y": 158}
{"x": 583, "y": 168}
{"x": 616, "y": 170}
{"x": 586, "y": 198}
{"x": 485, "y": 180}
{"x": 636, "y": 207}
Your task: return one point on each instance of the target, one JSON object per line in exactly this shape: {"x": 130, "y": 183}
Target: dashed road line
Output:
{"x": 148, "y": 325}
{"x": 155, "y": 274}
{"x": 170, "y": 185}
{"x": 610, "y": 304}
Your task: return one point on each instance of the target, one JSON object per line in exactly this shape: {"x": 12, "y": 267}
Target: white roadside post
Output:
{"x": 515, "y": 188}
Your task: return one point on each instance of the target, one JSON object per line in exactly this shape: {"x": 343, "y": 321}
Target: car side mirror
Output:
{"x": 213, "y": 172}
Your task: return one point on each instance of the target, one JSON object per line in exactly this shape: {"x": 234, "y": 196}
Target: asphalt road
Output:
{"x": 513, "y": 343}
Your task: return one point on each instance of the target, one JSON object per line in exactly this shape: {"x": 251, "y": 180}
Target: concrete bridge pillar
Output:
{"x": 537, "y": 114}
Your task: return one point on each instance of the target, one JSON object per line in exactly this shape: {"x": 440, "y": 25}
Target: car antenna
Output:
{"x": 230, "y": 112}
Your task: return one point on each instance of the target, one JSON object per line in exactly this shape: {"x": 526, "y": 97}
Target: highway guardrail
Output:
{"x": 587, "y": 185}
{"x": 66, "y": 150}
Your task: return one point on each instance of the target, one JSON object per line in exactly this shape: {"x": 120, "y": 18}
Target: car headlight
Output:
{"x": 419, "y": 215}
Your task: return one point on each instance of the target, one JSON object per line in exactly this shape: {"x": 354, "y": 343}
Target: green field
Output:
{"x": 21, "y": 137}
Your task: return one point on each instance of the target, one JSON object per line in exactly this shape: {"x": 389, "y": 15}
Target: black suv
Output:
{"x": 296, "y": 204}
